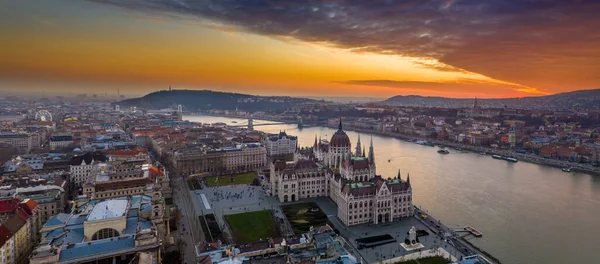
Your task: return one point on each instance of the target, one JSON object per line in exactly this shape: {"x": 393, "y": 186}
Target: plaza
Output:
{"x": 236, "y": 199}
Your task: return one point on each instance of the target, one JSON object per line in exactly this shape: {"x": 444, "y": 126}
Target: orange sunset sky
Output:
{"x": 301, "y": 48}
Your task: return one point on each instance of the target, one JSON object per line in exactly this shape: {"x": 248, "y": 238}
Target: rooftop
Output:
{"x": 108, "y": 209}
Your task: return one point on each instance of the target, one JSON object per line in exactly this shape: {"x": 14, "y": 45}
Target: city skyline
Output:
{"x": 344, "y": 49}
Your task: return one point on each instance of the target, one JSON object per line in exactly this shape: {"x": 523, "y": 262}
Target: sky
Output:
{"x": 341, "y": 48}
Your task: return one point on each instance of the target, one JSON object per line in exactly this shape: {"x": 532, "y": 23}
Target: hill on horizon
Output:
{"x": 192, "y": 100}
{"x": 581, "y": 99}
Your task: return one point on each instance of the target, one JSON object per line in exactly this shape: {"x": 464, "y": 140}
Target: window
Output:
{"x": 105, "y": 233}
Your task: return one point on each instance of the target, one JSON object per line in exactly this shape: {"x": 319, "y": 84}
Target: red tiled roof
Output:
{"x": 29, "y": 205}
{"x": 8, "y": 206}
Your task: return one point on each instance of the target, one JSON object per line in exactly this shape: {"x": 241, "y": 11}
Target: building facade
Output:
{"x": 280, "y": 144}
{"x": 195, "y": 159}
{"x": 350, "y": 180}
{"x": 81, "y": 167}
{"x": 24, "y": 141}
{"x": 245, "y": 157}
{"x": 122, "y": 179}
{"x": 61, "y": 140}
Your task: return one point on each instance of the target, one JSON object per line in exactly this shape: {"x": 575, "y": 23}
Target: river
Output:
{"x": 528, "y": 213}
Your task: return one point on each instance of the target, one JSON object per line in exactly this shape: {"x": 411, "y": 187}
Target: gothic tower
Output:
{"x": 358, "y": 148}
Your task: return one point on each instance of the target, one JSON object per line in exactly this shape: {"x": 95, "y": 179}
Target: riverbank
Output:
{"x": 578, "y": 167}
{"x": 488, "y": 151}
{"x": 459, "y": 242}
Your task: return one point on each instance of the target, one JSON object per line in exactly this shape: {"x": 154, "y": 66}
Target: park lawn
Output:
{"x": 252, "y": 226}
{"x": 244, "y": 178}
{"x": 428, "y": 260}
{"x": 302, "y": 218}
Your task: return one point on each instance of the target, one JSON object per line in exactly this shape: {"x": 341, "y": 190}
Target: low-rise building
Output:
{"x": 19, "y": 233}
{"x": 20, "y": 140}
{"x": 61, "y": 140}
{"x": 81, "y": 166}
{"x": 51, "y": 199}
{"x": 118, "y": 230}
{"x": 120, "y": 179}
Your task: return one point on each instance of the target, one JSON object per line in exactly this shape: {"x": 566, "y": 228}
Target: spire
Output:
{"x": 315, "y": 145}
{"x": 364, "y": 153}
{"x": 340, "y": 126}
{"x": 399, "y": 176}
{"x": 371, "y": 152}
{"x": 408, "y": 179}
{"x": 358, "y": 149}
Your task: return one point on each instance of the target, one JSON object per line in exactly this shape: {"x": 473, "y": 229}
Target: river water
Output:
{"x": 528, "y": 213}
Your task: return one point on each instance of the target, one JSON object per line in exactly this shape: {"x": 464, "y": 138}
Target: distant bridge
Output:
{"x": 266, "y": 124}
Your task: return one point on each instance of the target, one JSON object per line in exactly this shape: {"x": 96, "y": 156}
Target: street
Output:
{"x": 188, "y": 230}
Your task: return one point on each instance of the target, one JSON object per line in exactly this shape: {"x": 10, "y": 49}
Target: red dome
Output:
{"x": 340, "y": 139}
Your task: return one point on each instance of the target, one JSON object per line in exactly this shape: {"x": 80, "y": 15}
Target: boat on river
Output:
{"x": 425, "y": 143}
{"x": 507, "y": 158}
{"x": 443, "y": 151}
{"x": 569, "y": 169}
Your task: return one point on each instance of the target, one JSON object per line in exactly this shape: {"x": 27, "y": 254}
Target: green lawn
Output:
{"x": 244, "y": 178}
{"x": 429, "y": 260}
{"x": 252, "y": 226}
{"x": 302, "y": 218}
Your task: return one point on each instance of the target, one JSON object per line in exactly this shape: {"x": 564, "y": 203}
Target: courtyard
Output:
{"x": 224, "y": 180}
{"x": 302, "y": 216}
{"x": 252, "y": 226}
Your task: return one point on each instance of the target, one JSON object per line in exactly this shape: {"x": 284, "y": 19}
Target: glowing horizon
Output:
{"x": 67, "y": 47}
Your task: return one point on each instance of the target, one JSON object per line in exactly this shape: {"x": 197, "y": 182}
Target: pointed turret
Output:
{"x": 315, "y": 145}
{"x": 399, "y": 175}
{"x": 340, "y": 125}
{"x": 364, "y": 153}
{"x": 408, "y": 179}
{"x": 371, "y": 152}
{"x": 358, "y": 148}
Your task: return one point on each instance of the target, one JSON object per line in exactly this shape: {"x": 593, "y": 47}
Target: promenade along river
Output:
{"x": 527, "y": 213}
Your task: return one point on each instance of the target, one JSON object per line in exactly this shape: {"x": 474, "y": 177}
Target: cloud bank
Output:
{"x": 549, "y": 44}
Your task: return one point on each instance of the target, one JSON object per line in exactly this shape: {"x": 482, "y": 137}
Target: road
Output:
{"x": 188, "y": 230}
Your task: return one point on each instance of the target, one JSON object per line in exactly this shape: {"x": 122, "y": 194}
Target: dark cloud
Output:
{"x": 546, "y": 44}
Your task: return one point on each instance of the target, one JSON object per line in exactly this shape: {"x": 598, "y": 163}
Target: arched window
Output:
{"x": 105, "y": 233}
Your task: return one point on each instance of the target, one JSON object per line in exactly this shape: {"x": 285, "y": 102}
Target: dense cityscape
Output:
{"x": 78, "y": 176}
{"x": 299, "y": 132}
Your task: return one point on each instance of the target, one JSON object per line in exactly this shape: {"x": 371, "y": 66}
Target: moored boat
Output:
{"x": 443, "y": 151}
